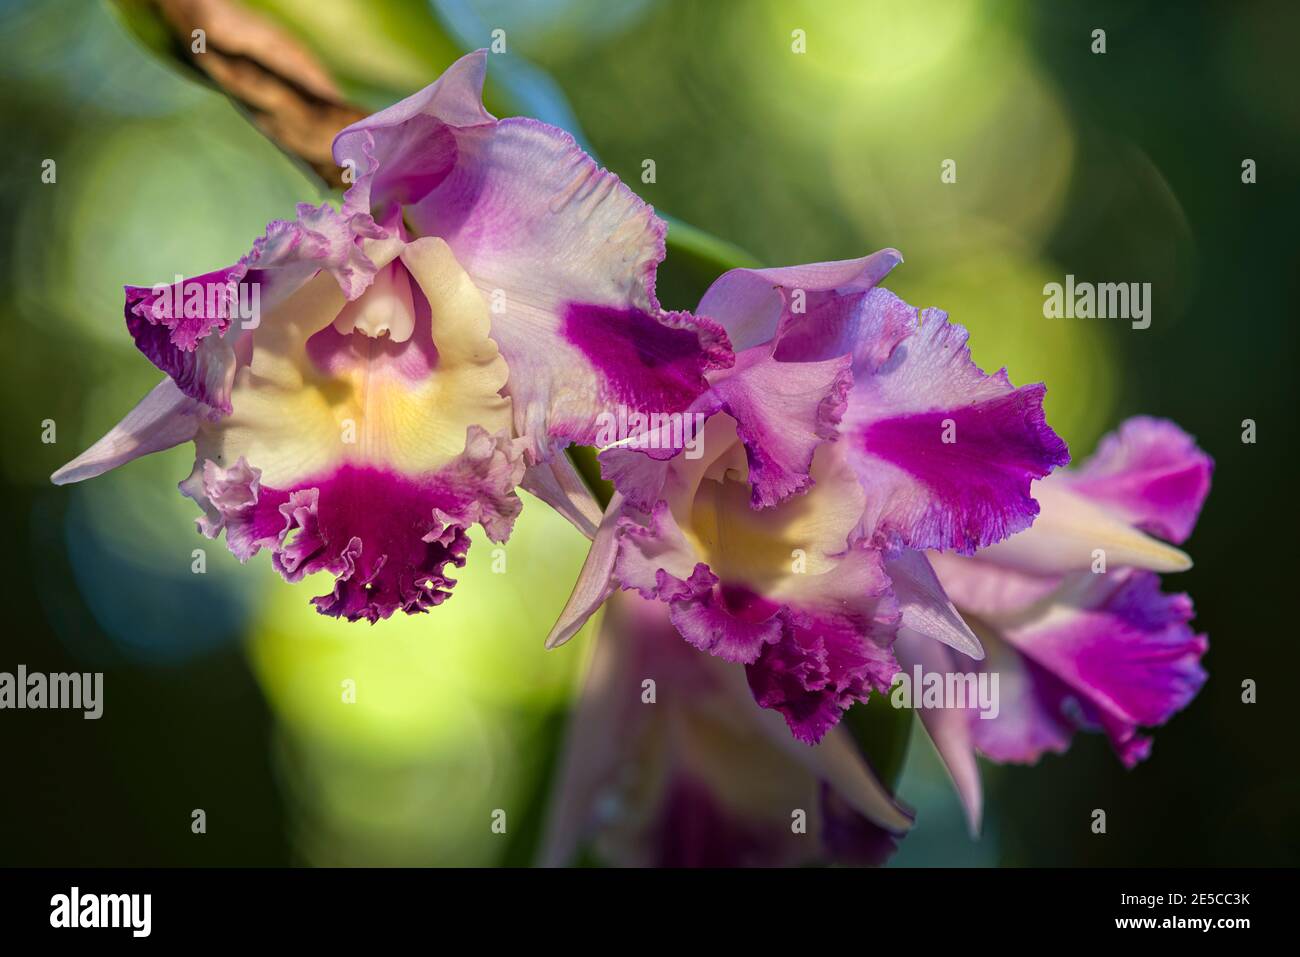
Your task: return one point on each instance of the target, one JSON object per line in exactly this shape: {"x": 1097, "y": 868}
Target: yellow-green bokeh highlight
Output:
{"x": 888, "y": 93}
{"x": 448, "y": 699}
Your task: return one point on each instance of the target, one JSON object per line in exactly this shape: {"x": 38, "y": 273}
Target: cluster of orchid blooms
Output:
{"x": 862, "y": 499}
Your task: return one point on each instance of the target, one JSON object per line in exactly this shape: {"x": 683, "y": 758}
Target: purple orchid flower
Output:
{"x": 669, "y": 763}
{"x": 369, "y": 382}
{"x": 1071, "y": 612}
{"x": 851, "y": 434}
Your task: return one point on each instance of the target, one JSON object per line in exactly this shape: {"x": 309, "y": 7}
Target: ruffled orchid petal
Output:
{"x": 365, "y": 415}
{"x": 705, "y": 532}
{"x": 926, "y": 610}
{"x": 1123, "y": 649}
{"x": 191, "y": 329}
{"x": 1080, "y": 634}
{"x": 364, "y": 454}
{"x": 566, "y": 254}
{"x": 827, "y": 660}
{"x": 755, "y": 306}
{"x": 704, "y": 777}
{"x": 1151, "y": 474}
{"x": 945, "y": 453}
{"x": 783, "y": 412}
{"x": 190, "y": 349}
{"x": 948, "y": 728}
{"x": 1147, "y": 479}
{"x": 164, "y": 418}
{"x": 655, "y": 558}
{"x": 778, "y": 590}
{"x": 387, "y": 538}
{"x": 400, "y": 154}
{"x": 311, "y": 399}
{"x": 1099, "y": 652}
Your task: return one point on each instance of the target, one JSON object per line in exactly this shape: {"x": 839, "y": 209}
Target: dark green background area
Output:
{"x": 1158, "y": 128}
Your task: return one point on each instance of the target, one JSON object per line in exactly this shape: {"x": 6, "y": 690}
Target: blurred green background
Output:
{"x": 223, "y": 689}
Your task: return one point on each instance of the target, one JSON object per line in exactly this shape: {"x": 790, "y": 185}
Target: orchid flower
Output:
{"x": 1071, "y": 613}
{"x": 669, "y": 763}
{"x": 851, "y": 434}
{"x": 368, "y": 382}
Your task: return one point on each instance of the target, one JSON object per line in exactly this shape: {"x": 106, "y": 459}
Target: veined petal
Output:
{"x": 926, "y": 610}
{"x": 558, "y": 484}
{"x": 779, "y": 589}
{"x": 1072, "y": 533}
{"x": 988, "y": 589}
{"x": 595, "y": 580}
{"x": 948, "y": 728}
{"x": 820, "y": 300}
{"x": 702, "y": 776}
{"x": 1110, "y": 652}
{"x": 192, "y": 328}
{"x": 1036, "y": 710}
{"x": 783, "y": 411}
{"x": 837, "y": 760}
{"x": 567, "y": 255}
{"x": 351, "y": 452}
{"x": 945, "y": 453}
{"x": 399, "y": 154}
{"x": 1151, "y": 474}
{"x": 830, "y": 656}
{"x": 164, "y": 418}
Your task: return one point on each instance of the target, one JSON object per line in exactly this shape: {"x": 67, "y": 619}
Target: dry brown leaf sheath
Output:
{"x": 289, "y": 95}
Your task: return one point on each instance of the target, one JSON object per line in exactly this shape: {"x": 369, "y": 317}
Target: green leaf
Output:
{"x": 695, "y": 259}
{"x": 883, "y": 732}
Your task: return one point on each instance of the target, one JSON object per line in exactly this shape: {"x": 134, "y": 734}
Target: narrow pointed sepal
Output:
{"x": 595, "y": 581}
{"x": 1072, "y": 533}
{"x": 164, "y": 418}
{"x": 926, "y": 610}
